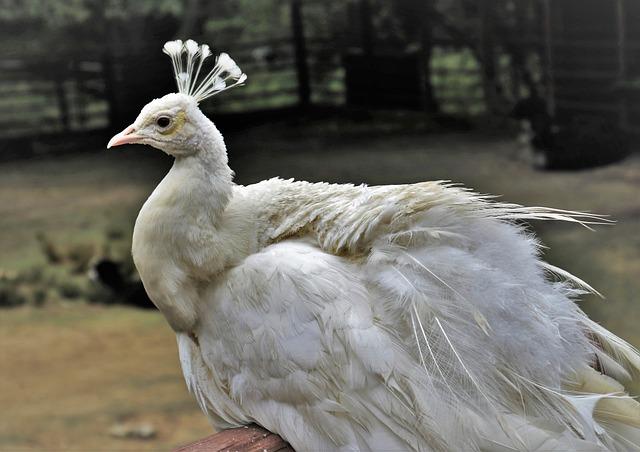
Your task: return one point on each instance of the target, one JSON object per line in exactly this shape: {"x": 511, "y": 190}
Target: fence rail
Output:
{"x": 67, "y": 93}
{"x": 80, "y": 93}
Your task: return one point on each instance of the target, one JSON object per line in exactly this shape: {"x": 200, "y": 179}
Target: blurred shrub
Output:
{"x": 70, "y": 274}
{"x": 77, "y": 256}
{"x": 10, "y": 296}
{"x": 100, "y": 295}
{"x": 50, "y": 252}
{"x": 20, "y": 288}
{"x": 70, "y": 290}
{"x": 32, "y": 275}
{"x": 39, "y": 297}
{"x": 73, "y": 272}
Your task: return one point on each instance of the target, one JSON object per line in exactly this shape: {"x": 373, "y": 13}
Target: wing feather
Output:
{"x": 414, "y": 317}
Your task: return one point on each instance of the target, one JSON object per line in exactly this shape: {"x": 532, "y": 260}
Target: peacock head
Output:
{"x": 174, "y": 123}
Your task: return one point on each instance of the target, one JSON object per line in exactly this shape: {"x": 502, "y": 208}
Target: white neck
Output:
{"x": 202, "y": 182}
{"x": 174, "y": 237}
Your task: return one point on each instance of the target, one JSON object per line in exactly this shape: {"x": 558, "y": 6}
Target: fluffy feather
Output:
{"x": 406, "y": 317}
{"x": 409, "y": 316}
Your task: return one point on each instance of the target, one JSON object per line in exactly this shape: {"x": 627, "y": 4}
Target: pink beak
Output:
{"x": 127, "y": 136}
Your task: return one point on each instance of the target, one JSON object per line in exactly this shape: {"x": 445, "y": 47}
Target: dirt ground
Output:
{"x": 70, "y": 370}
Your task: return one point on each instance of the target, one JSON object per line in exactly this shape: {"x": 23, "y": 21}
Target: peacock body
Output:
{"x": 404, "y": 317}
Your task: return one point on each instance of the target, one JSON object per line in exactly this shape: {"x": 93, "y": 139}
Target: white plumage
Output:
{"x": 407, "y": 317}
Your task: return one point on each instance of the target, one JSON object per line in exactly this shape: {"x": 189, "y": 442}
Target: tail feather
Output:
{"x": 614, "y": 413}
{"x": 622, "y": 409}
{"x": 618, "y": 349}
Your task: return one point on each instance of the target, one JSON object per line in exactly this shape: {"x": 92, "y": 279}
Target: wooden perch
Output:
{"x": 243, "y": 439}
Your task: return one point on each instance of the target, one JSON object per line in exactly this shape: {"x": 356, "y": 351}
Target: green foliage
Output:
{"x": 457, "y": 81}
{"x": 53, "y": 13}
{"x": 261, "y": 19}
{"x": 58, "y": 13}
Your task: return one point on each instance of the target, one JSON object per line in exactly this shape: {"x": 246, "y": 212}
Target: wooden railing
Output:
{"x": 243, "y": 439}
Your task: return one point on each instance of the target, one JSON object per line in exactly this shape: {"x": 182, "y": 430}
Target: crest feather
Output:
{"x": 187, "y": 58}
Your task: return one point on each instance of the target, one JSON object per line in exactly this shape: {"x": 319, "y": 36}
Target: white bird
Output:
{"x": 342, "y": 317}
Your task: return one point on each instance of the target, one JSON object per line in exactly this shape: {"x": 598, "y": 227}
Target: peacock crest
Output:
{"x": 187, "y": 59}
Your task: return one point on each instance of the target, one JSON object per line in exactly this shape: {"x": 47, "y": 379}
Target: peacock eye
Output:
{"x": 163, "y": 121}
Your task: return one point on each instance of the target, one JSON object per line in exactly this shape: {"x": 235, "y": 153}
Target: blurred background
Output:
{"x": 534, "y": 100}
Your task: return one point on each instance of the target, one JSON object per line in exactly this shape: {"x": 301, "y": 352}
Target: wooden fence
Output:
{"x": 584, "y": 71}
{"x": 70, "y": 93}
{"x": 45, "y": 95}
{"x": 594, "y": 48}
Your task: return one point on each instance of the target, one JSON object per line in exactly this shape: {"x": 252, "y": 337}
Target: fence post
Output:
{"x": 80, "y": 98}
{"x": 487, "y": 50}
{"x": 300, "y": 52}
{"x": 430, "y": 103}
{"x": 623, "y": 112}
{"x": 63, "y": 104}
{"x": 109, "y": 89}
{"x": 366, "y": 27}
{"x": 548, "y": 58}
